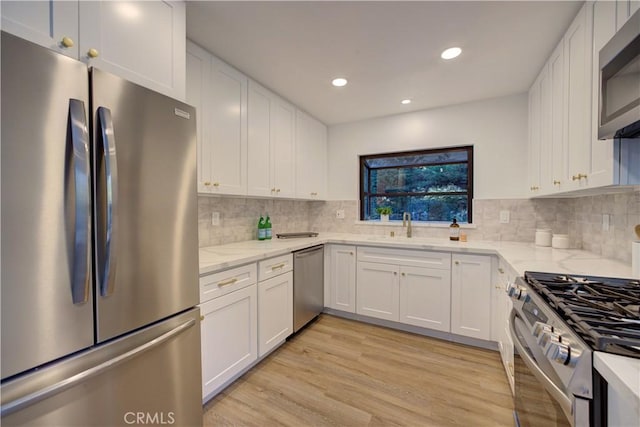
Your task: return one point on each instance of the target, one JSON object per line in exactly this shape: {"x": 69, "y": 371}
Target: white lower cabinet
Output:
{"x": 471, "y": 296}
{"x": 229, "y": 331}
{"x": 341, "y": 275}
{"x": 275, "y": 311}
{"x": 378, "y": 290}
{"x": 425, "y": 297}
{"x": 396, "y": 287}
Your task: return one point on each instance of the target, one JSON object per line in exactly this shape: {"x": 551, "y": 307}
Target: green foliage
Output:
{"x": 384, "y": 210}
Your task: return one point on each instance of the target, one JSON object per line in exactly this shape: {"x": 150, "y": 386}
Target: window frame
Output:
{"x": 470, "y": 158}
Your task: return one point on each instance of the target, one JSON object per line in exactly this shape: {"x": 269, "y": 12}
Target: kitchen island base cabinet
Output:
{"x": 275, "y": 311}
{"x": 341, "y": 274}
{"x": 471, "y": 296}
{"x": 229, "y": 337}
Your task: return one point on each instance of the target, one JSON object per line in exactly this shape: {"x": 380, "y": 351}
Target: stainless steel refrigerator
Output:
{"x": 99, "y": 247}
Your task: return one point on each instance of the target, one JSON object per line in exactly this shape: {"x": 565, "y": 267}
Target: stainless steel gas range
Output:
{"x": 556, "y": 324}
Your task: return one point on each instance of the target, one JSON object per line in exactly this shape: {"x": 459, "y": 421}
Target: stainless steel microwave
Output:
{"x": 619, "y": 113}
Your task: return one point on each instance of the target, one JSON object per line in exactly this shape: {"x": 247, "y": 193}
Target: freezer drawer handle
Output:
{"x": 82, "y": 231}
{"x": 74, "y": 380}
{"x": 107, "y": 278}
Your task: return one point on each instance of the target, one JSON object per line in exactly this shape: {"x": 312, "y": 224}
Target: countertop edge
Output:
{"x": 622, "y": 373}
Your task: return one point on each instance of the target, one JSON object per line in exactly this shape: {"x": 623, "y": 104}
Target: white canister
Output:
{"x": 635, "y": 259}
{"x": 543, "y": 237}
{"x": 560, "y": 241}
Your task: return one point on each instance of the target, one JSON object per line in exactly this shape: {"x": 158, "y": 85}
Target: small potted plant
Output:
{"x": 384, "y": 212}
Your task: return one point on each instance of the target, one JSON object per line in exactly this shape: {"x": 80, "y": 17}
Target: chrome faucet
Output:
{"x": 406, "y": 221}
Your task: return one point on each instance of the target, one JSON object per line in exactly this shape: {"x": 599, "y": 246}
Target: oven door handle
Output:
{"x": 565, "y": 401}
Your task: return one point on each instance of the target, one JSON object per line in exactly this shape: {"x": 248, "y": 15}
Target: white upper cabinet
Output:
{"x": 577, "y": 53}
{"x": 142, "y": 41}
{"x": 52, "y": 24}
{"x": 219, "y": 93}
{"x": 311, "y": 157}
{"x": 271, "y": 138}
{"x": 565, "y": 110}
{"x": 624, "y": 10}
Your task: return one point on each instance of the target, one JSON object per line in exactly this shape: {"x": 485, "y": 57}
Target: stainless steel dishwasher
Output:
{"x": 308, "y": 285}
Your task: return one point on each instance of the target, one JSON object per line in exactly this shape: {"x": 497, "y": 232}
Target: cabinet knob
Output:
{"x": 66, "y": 42}
{"x": 201, "y": 318}
{"x": 500, "y": 270}
{"x": 93, "y": 53}
{"x": 350, "y": 253}
{"x": 456, "y": 262}
{"x": 556, "y": 182}
{"x": 395, "y": 273}
{"x": 216, "y": 184}
{"x": 273, "y": 190}
{"x": 207, "y": 183}
{"x": 278, "y": 190}
{"x": 403, "y": 274}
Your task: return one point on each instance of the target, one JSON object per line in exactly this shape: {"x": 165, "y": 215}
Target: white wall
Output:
{"x": 497, "y": 128}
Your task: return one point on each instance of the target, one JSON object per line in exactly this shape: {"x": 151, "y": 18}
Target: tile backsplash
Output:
{"x": 581, "y": 218}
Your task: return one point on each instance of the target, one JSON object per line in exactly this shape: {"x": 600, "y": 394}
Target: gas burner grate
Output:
{"x": 605, "y": 312}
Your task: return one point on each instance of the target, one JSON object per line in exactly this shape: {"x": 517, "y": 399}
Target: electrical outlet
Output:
{"x": 215, "y": 218}
{"x": 340, "y": 214}
{"x": 605, "y": 222}
{"x": 504, "y": 217}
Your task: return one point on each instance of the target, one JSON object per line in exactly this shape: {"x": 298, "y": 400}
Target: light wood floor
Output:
{"x": 338, "y": 372}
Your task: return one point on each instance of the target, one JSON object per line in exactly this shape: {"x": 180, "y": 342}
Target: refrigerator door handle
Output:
{"x": 107, "y": 279}
{"x": 46, "y": 392}
{"x": 82, "y": 229}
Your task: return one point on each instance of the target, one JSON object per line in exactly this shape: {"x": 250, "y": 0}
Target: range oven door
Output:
{"x": 540, "y": 399}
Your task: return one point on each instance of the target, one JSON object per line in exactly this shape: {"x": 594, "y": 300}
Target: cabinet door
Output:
{"x": 311, "y": 157}
{"x": 378, "y": 290}
{"x": 533, "y": 146}
{"x": 471, "y": 296}
{"x": 142, "y": 41}
{"x": 229, "y": 337}
{"x": 558, "y": 104}
{"x": 259, "y": 142}
{"x": 604, "y": 27}
{"x": 198, "y": 71}
{"x": 282, "y": 147}
{"x": 227, "y": 129}
{"x": 577, "y": 51}
{"x": 425, "y": 297}
{"x": 545, "y": 180}
{"x": 342, "y": 278}
{"x": 275, "y": 311}
{"x": 624, "y": 10}
{"x": 45, "y": 23}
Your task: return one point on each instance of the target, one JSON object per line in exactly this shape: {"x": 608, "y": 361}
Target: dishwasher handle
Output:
{"x": 309, "y": 251}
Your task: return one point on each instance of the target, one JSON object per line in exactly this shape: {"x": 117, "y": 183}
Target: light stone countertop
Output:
{"x": 623, "y": 374}
{"x": 520, "y": 256}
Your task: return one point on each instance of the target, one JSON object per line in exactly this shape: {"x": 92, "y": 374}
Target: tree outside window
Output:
{"x": 432, "y": 185}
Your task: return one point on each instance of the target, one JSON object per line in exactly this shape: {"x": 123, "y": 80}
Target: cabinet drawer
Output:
{"x": 218, "y": 284}
{"x": 406, "y": 257}
{"x": 274, "y": 266}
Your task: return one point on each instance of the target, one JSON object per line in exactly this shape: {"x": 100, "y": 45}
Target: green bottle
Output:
{"x": 262, "y": 231}
{"x": 267, "y": 227}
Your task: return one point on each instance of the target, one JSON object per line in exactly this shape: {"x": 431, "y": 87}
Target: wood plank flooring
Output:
{"x": 339, "y": 372}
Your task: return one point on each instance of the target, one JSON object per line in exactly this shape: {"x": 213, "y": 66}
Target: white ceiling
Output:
{"x": 389, "y": 50}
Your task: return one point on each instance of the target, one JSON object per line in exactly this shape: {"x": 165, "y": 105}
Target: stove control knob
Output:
{"x": 540, "y": 327}
{"x": 559, "y": 353}
{"x": 548, "y": 337}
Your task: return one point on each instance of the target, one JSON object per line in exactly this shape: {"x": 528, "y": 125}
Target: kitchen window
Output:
{"x": 433, "y": 185}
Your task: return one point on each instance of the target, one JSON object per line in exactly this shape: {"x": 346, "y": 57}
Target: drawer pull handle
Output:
{"x": 501, "y": 271}
{"x": 228, "y": 282}
{"x": 275, "y": 267}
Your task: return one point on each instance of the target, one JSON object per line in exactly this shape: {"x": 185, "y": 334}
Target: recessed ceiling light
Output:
{"x": 339, "y": 82}
{"x": 451, "y": 53}
{"x": 405, "y": 101}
